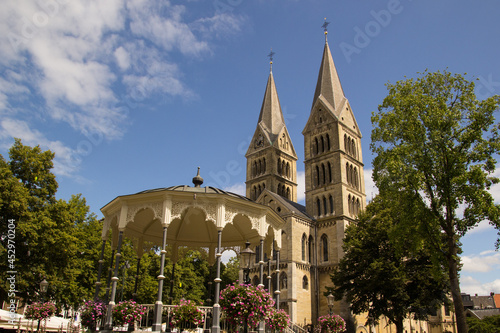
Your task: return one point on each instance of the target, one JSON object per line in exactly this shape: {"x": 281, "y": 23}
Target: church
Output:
{"x": 311, "y": 241}
{"x": 296, "y": 247}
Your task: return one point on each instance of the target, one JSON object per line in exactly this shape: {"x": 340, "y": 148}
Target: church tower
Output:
{"x": 271, "y": 158}
{"x": 335, "y": 190}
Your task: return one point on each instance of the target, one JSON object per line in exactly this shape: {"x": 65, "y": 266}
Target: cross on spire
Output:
{"x": 325, "y": 27}
{"x": 270, "y": 55}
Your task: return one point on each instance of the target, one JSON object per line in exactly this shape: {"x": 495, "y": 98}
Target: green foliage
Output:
{"x": 435, "y": 144}
{"x": 383, "y": 276}
{"x": 54, "y": 239}
{"x": 489, "y": 324}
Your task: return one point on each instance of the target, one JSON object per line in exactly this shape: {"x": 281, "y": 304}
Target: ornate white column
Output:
{"x": 216, "y": 309}
{"x": 114, "y": 280}
{"x": 277, "y": 292}
{"x": 158, "y": 310}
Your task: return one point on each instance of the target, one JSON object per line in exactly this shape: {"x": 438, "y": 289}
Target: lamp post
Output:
{"x": 330, "y": 299}
{"x": 246, "y": 258}
{"x": 44, "y": 285}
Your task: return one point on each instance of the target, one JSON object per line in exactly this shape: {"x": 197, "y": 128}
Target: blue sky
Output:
{"x": 135, "y": 94}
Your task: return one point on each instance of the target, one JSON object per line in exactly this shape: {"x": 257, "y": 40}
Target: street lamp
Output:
{"x": 246, "y": 258}
{"x": 330, "y": 299}
{"x": 44, "y": 285}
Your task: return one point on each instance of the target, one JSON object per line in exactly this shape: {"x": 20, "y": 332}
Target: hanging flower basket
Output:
{"x": 39, "y": 311}
{"x": 330, "y": 324}
{"x": 186, "y": 315}
{"x": 245, "y": 304}
{"x": 127, "y": 312}
{"x": 91, "y": 313}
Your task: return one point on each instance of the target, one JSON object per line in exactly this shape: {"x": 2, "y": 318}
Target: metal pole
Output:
{"x": 109, "y": 324}
{"x": 277, "y": 291}
{"x": 159, "y": 305}
{"x": 216, "y": 320}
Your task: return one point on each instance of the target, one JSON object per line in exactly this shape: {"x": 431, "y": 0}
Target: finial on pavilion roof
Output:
{"x": 197, "y": 180}
{"x": 325, "y": 28}
{"x": 270, "y": 55}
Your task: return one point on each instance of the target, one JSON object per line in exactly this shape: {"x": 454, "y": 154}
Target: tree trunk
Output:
{"x": 399, "y": 325}
{"x": 455, "y": 286}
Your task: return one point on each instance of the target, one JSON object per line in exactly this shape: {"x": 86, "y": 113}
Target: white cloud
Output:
{"x": 301, "y": 186}
{"x": 239, "y": 188}
{"x": 122, "y": 58}
{"x": 370, "y": 189}
{"x": 65, "y": 163}
{"x": 168, "y": 31}
{"x": 484, "y": 262}
{"x": 473, "y": 286}
{"x": 220, "y": 25}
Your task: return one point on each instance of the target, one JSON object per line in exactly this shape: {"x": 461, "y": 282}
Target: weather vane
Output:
{"x": 270, "y": 55}
{"x": 325, "y": 26}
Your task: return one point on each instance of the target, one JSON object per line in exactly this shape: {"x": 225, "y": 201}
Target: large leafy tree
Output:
{"x": 54, "y": 239}
{"x": 435, "y": 143}
{"x": 383, "y": 276}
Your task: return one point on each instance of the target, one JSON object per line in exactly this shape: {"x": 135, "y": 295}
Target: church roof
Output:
{"x": 271, "y": 118}
{"x": 293, "y": 207}
{"x": 328, "y": 85}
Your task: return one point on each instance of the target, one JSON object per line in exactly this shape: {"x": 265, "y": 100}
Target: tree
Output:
{"x": 383, "y": 276}
{"x": 435, "y": 143}
{"x": 54, "y": 239}
{"x": 489, "y": 324}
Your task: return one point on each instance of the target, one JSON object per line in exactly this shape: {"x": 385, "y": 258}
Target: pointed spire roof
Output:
{"x": 271, "y": 118}
{"x": 328, "y": 85}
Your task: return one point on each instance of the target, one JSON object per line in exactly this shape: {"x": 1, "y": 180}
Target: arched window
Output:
{"x": 316, "y": 176}
{"x": 318, "y": 207}
{"x": 327, "y": 142}
{"x": 288, "y": 192}
{"x": 331, "y": 204}
{"x": 347, "y": 172}
{"x": 315, "y": 146}
{"x": 353, "y": 148}
{"x": 264, "y": 165}
{"x": 349, "y": 204}
{"x": 279, "y": 166}
{"x": 288, "y": 170}
{"x": 356, "y": 178}
{"x": 324, "y": 247}
{"x": 325, "y": 206}
{"x": 304, "y": 241}
{"x": 345, "y": 142}
{"x": 254, "y": 192}
{"x": 329, "y": 172}
{"x": 322, "y": 144}
{"x": 358, "y": 206}
{"x": 310, "y": 249}
{"x": 305, "y": 283}
{"x": 323, "y": 174}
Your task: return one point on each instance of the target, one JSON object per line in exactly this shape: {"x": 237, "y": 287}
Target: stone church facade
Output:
{"x": 311, "y": 240}
{"x": 334, "y": 190}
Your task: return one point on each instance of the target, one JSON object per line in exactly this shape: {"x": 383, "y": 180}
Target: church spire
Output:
{"x": 271, "y": 118}
{"x": 328, "y": 85}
